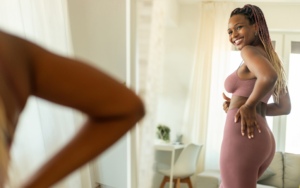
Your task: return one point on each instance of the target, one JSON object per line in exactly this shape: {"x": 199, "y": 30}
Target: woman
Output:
{"x": 27, "y": 69}
{"x": 245, "y": 155}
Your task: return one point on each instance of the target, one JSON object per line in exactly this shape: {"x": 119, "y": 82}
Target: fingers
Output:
{"x": 243, "y": 127}
{"x": 226, "y": 106}
{"x": 258, "y": 127}
{"x": 248, "y": 121}
{"x": 226, "y": 98}
{"x": 250, "y": 129}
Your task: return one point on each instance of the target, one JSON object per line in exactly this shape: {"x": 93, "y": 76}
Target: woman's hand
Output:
{"x": 248, "y": 118}
{"x": 226, "y": 103}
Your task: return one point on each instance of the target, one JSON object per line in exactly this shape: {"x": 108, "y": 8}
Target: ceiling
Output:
{"x": 248, "y": 1}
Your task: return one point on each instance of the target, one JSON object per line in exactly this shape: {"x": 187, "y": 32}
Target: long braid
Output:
{"x": 255, "y": 16}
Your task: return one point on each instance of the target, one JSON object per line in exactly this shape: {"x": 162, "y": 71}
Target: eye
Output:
{"x": 239, "y": 27}
{"x": 229, "y": 32}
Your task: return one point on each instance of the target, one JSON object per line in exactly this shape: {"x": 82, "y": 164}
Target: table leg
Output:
{"x": 172, "y": 166}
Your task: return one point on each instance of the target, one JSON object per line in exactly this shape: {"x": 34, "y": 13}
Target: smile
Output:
{"x": 239, "y": 41}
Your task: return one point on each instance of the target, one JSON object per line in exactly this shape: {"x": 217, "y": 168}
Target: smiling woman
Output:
{"x": 242, "y": 160}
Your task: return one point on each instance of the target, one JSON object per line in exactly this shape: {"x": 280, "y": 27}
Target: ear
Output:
{"x": 255, "y": 27}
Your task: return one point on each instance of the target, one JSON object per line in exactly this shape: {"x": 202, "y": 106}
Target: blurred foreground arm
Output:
{"x": 112, "y": 110}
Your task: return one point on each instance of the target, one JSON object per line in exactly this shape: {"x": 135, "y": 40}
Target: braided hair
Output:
{"x": 255, "y": 16}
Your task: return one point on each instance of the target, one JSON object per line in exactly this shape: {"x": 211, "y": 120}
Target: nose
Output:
{"x": 234, "y": 34}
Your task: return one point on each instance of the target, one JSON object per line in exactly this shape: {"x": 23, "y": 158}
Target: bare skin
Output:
{"x": 256, "y": 65}
{"x": 112, "y": 109}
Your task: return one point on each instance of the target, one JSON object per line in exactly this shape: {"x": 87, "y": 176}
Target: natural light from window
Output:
{"x": 293, "y": 124}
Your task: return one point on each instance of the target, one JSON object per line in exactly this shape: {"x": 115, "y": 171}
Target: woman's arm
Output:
{"x": 283, "y": 108}
{"x": 112, "y": 110}
{"x": 266, "y": 76}
{"x": 262, "y": 69}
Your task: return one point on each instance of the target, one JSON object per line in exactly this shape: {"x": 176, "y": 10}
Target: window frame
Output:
{"x": 283, "y": 49}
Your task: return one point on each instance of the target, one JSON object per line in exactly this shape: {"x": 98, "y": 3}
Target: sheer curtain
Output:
{"x": 43, "y": 127}
{"x": 204, "y": 115}
{"x": 150, "y": 87}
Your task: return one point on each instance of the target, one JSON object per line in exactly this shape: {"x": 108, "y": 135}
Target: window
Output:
{"x": 285, "y": 128}
{"x": 292, "y": 124}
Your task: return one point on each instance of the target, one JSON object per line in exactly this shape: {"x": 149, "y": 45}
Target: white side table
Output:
{"x": 172, "y": 148}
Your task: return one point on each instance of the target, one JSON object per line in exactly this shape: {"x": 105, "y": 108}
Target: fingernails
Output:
{"x": 243, "y": 134}
{"x": 259, "y": 131}
{"x": 252, "y": 136}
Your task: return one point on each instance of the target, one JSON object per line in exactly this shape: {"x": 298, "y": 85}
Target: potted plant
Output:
{"x": 163, "y": 133}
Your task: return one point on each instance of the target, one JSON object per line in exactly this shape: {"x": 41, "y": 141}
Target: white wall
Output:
{"x": 98, "y": 30}
{"x": 280, "y": 16}
{"x": 180, "y": 49}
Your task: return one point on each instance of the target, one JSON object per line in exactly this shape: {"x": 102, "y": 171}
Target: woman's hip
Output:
{"x": 234, "y": 143}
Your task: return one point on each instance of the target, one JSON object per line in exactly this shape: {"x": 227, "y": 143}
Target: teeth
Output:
{"x": 238, "y": 41}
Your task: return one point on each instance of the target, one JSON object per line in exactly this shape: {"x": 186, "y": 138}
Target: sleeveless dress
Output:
{"x": 244, "y": 160}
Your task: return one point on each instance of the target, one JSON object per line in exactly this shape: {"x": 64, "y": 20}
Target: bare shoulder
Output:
{"x": 250, "y": 52}
{"x": 257, "y": 62}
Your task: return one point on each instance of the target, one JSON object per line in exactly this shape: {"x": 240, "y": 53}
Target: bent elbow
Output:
{"x": 273, "y": 78}
{"x": 135, "y": 109}
{"x": 124, "y": 106}
{"x": 139, "y": 108}
{"x": 270, "y": 79}
{"x": 288, "y": 111}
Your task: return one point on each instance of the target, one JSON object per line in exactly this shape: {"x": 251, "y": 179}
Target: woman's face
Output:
{"x": 240, "y": 32}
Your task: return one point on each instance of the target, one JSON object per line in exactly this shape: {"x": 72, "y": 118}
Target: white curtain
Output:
{"x": 150, "y": 93}
{"x": 204, "y": 115}
{"x": 43, "y": 127}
